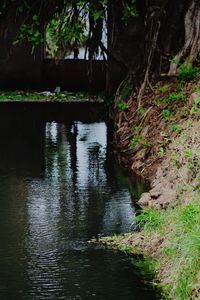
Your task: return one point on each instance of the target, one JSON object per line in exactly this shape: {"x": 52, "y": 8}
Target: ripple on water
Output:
{"x": 46, "y": 220}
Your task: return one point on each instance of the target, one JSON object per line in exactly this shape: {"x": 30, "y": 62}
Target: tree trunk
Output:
{"x": 191, "y": 47}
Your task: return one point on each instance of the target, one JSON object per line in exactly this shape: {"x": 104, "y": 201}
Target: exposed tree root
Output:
{"x": 191, "y": 47}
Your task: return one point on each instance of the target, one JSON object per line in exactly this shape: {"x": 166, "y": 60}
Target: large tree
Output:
{"x": 171, "y": 29}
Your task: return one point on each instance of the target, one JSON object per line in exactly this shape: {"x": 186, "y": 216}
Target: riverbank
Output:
{"x": 171, "y": 239}
{"x": 147, "y": 137}
{"x": 160, "y": 141}
{"x": 48, "y": 96}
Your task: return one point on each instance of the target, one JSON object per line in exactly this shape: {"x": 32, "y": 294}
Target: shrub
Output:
{"x": 122, "y": 106}
{"x": 187, "y": 73}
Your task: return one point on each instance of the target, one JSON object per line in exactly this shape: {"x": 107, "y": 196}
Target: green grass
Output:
{"x": 175, "y": 128}
{"x": 180, "y": 251}
{"x": 34, "y": 96}
{"x": 166, "y": 114}
{"x": 19, "y": 96}
{"x": 141, "y": 140}
{"x": 195, "y": 110}
{"x": 187, "y": 72}
{"x": 122, "y": 106}
{"x": 176, "y": 97}
{"x": 163, "y": 88}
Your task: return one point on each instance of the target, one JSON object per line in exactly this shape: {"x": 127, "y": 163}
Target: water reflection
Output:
{"x": 45, "y": 221}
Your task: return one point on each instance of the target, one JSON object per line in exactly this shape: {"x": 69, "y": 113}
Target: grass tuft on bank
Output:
{"x": 178, "y": 255}
{"x": 171, "y": 238}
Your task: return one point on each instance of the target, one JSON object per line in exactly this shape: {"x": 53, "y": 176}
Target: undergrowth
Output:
{"x": 46, "y": 95}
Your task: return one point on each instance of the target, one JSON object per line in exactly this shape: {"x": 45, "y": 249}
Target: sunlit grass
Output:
{"x": 180, "y": 252}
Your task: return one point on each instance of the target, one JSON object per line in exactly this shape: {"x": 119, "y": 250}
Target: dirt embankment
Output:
{"x": 160, "y": 140}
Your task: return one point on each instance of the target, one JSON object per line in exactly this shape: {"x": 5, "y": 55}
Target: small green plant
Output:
{"x": 180, "y": 85}
{"x": 166, "y": 114}
{"x": 34, "y": 96}
{"x": 161, "y": 151}
{"x": 149, "y": 219}
{"x": 129, "y": 10}
{"x": 187, "y": 72}
{"x": 146, "y": 144}
{"x": 145, "y": 265}
{"x": 139, "y": 139}
{"x": 138, "y": 128}
{"x": 125, "y": 248}
{"x": 189, "y": 215}
{"x": 134, "y": 141}
{"x": 175, "y": 128}
{"x": 122, "y": 106}
{"x": 141, "y": 111}
{"x": 173, "y": 97}
{"x": 163, "y": 88}
{"x": 188, "y": 153}
{"x": 195, "y": 110}
{"x": 176, "y": 97}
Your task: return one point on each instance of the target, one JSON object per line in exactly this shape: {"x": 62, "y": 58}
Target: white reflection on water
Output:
{"x": 76, "y": 200}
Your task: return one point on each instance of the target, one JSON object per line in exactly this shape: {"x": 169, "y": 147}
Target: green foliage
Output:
{"x": 195, "y": 110}
{"x": 166, "y": 114}
{"x": 189, "y": 215}
{"x": 185, "y": 244}
{"x": 180, "y": 251}
{"x": 146, "y": 266}
{"x": 161, "y": 151}
{"x": 65, "y": 23}
{"x": 176, "y": 97}
{"x": 149, "y": 219}
{"x": 31, "y": 32}
{"x": 139, "y": 139}
{"x": 187, "y": 72}
{"x": 141, "y": 111}
{"x": 129, "y": 10}
{"x": 175, "y": 128}
{"x": 30, "y": 96}
{"x": 61, "y": 34}
{"x": 188, "y": 153}
{"x": 125, "y": 248}
{"x": 19, "y": 96}
{"x": 134, "y": 141}
{"x": 172, "y": 97}
{"x": 163, "y": 88}
{"x": 122, "y": 106}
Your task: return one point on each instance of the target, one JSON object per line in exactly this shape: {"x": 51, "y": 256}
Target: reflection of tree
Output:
{"x": 73, "y": 154}
{"x": 89, "y": 188}
{"x": 14, "y": 193}
{"x": 94, "y": 162}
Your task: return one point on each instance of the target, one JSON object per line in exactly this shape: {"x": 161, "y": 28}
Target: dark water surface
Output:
{"x": 58, "y": 189}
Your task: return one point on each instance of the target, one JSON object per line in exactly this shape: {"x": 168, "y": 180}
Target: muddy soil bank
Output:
{"x": 153, "y": 140}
